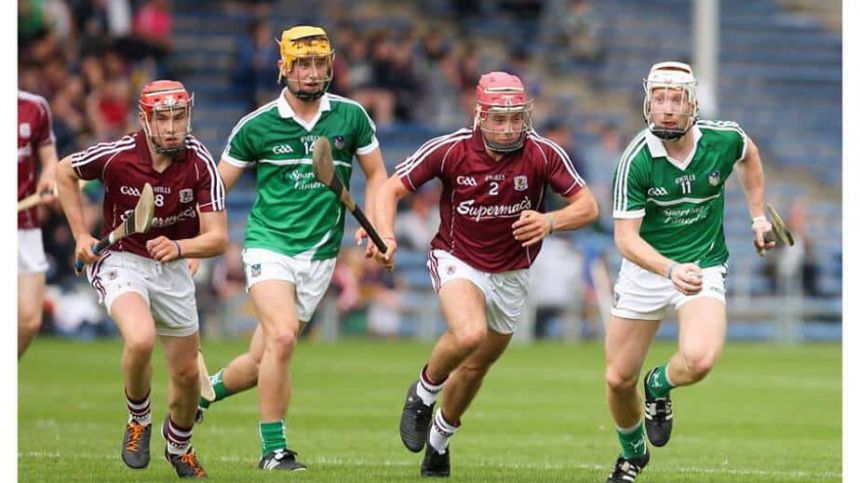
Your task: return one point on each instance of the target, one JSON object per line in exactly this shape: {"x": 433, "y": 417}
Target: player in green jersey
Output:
{"x": 668, "y": 210}
{"x": 295, "y": 228}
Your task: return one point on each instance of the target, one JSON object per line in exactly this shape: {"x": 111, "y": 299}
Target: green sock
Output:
{"x": 658, "y": 382}
{"x": 273, "y": 436}
{"x": 632, "y": 441}
{"x": 221, "y": 391}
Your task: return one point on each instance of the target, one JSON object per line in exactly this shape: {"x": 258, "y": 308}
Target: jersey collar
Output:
{"x": 658, "y": 149}
{"x": 286, "y": 112}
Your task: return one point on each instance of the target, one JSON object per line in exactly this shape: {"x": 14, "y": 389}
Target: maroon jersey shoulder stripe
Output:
{"x": 427, "y": 148}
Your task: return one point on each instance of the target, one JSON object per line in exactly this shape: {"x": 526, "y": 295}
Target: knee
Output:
{"x": 699, "y": 364}
{"x": 185, "y": 374}
{"x": 139, "y": 347}
{"x": 469, "y": 338}
{"x": 619, "y": 380}
{"x": 281, "y": 342}
{"x": 29, "y": 320}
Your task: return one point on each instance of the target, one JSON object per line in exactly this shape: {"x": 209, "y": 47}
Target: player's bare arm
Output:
{"x": 73, "y": 206}
{"x": 391, "y": 191}
{"x": 687, "y": 277}
{"x": 374, "y": 171}
{"x": 211, "y": 241}
{"x": 751, "y": 174}
{"x": 533, "y": 227}
{"x": 48, "y": 159}
{"x": 230, "y": 174}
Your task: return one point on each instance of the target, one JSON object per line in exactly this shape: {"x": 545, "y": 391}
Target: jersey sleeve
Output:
{"x": 424, "y": 164}
{"x": 739, "y": 142}
{"x": 366, "y": 140}
{"x": 239, "y": 151}
{"x": 44, "y": 134}
{"x": 629, "y": 188}
{"x": 90, "y": 163}
{"x": 209, "y": 190}
{"x": 562, "y": 174}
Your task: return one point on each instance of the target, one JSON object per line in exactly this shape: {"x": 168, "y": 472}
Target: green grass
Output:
{"x": 767, "y": 413}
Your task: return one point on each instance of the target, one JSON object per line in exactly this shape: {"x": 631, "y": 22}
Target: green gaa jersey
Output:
{"x": 680, "y": 201}
{"x": 294, "y": 214}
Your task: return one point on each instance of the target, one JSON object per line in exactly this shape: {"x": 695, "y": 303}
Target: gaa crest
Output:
{"x": 714, "y": 178}
{"x": 521, "y": 183}
{"x": 24, "y": 130}
{"x": 186, "y": 195}
{"x": 339, "y": 142}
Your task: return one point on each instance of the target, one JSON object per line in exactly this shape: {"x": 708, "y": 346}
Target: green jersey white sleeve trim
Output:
{"x": 621, "y": 193}
{"x": 241, "y": 163}
{"x": 369, "y": 148}
{"x": 233, "y": 161}
{"x": 728, "y": 126}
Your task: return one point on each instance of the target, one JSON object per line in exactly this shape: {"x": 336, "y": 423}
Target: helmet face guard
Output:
{"x": 308, "y": 49}
{"x": 670, "y": 107}
{"x": 503, "y": 112}
{"x": 165, "y": 97}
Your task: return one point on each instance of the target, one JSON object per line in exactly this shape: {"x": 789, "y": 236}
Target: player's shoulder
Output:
{"x": 545, "y": 147}
{"x": 107, "y": 148}
{"x": 198, "y": 149}
{"x": 720, "y": 130}
{"x": 446, "y": 142}
{"x": 635, "y": 151}
{"x": 259, "y": 116}
{"x": 29, "y": 97}
{"x": 344, "y": 103}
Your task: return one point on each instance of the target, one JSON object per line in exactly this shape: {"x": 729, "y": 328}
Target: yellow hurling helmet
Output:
{"x": 304, "y": 41}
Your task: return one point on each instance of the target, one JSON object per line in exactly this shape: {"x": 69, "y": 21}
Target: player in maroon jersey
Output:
{"x": 144, "y": 280}
{"x": 492, "y": 223}
{"x": 37, "y": 163}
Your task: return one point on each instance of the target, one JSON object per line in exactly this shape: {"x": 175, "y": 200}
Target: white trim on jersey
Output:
{"x": 727, "y": 126}
{"x": 216, "y": 184}
{"x": 257, "y": 112}
{"x": 374, "y": 143}
{"x": 45, "y": 106}
{"x": 687, "y": 199}
{"x": 337, "y": 98}
{"x": 405, "y": 167}
{"x": 623, "y": 170}
{"x": 568, "y": 163}
{"x": 293, "y": 162}
{"x": 100, "y": 150}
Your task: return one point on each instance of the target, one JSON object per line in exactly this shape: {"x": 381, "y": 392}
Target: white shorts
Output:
{"x": 505, "y": 293}
{"x": 31, "y": 252}
{"x": 311, "y": 277}
{"x": 167, "y": 287}
{"x": 641, "y": 294}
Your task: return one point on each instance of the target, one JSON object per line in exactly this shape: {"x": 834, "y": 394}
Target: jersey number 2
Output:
{"x": 494, "y": 188}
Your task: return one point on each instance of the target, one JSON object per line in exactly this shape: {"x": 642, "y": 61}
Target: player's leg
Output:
{"x": 702, "y": 325}
{"x": 460, "y": 390}
{"x": 180, "y": 352}
{"x": 32, "y": 266}
{"x": 463, "y": 306}
{"x": 131, "y": 313}
{"x": 31, "y": 297}
{"x": 237, "y": 376}
{"x": 626, "y": 345}
{"x": 275, "y": 305}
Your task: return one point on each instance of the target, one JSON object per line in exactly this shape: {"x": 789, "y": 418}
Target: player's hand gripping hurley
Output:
{"x": 779, "y": 232}
{"x": 139, "y": 221}
{"x": 324, "y": 173}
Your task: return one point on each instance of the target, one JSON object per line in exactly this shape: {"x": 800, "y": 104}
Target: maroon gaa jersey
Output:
{"x": 482, "y": 198}
{"x": 190, "y": 183}
{"x": 34, "y": 131}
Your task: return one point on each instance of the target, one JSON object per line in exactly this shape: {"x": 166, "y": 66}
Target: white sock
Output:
{"x": 178, "y": 439}
{"x": 426, "y": 390}
{"x": 441, "y": 432}
{"x": 139, "y": 411}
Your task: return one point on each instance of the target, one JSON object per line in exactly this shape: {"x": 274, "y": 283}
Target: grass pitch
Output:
{"x": 767, "y": 413}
